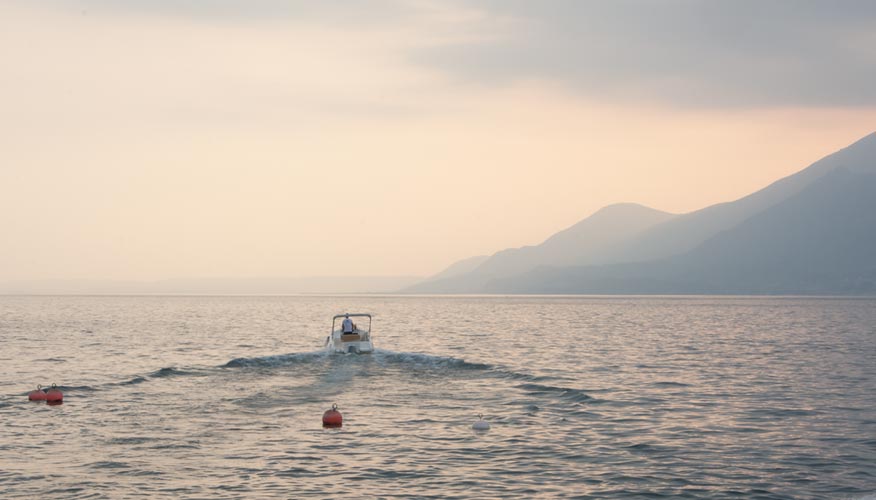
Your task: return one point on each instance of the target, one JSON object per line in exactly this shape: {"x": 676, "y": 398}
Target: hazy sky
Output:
{"x": 149, "y": 139}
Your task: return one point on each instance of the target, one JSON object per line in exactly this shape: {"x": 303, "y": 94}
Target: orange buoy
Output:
{"x": 36, "y": 394}
{"x": 332, "y": 418}
{"x": 54, "y": 395}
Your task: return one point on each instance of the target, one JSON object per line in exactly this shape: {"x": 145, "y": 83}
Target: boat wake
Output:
{"x": 278, "y": 360}
{"x": 380, "y": 357}
{"x": 562, "y": 393}
{"x": 333, "y": 367}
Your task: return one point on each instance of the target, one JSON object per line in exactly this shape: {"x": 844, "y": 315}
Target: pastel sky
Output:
{"x": 152, "y": 139}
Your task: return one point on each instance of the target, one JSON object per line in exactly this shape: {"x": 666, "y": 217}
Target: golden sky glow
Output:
{"x": 142, "y": 145}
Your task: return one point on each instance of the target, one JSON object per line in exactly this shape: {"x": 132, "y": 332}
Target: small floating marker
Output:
{"x": 481, "y": 424}
{"x": 332, "y": 418}
{"x": 54, "y": 396}
{"x": 37, "y": 394}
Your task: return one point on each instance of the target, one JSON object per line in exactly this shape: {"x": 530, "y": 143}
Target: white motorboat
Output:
{"x": 350, "y": 334}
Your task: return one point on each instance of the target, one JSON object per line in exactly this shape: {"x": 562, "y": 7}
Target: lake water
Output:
{"x": 588, "y": 397}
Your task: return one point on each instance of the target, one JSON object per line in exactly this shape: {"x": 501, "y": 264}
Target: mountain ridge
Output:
{"x": 773, "y": 252}
{"x": 657, "y": 242}
{"x": 593, "y": 235}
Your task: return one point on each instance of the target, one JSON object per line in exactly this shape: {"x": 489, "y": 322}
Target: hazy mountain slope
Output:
{"x": 674, "y": 236}
{"x": 460, "y": 267}
{"x": 686, "y": 231}
{"x": 819, "y": 241}
{"x": 586, "y": 240}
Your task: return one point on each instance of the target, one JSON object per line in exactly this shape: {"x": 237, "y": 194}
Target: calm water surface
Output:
{"x": 222, "y": 397}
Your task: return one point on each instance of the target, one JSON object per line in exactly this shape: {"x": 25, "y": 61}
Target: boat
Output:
{"x": 358, "y": 341}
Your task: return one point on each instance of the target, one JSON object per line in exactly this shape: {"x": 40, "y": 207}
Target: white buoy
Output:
{"x": 481, "y": 424}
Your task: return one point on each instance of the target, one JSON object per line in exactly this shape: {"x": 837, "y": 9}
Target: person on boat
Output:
{"x": 347, "y": 326}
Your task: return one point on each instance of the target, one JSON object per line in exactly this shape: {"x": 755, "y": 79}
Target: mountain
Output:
{"x": 819, "y": 241}
{"x": 686, "y": 231}
{"x": 588, "y": 240}
{"x": 625, "y": 261}
{"x": 459, "y": 268}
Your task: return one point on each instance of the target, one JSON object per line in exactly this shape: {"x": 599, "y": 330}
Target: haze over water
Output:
{"x": 588, "y": 397}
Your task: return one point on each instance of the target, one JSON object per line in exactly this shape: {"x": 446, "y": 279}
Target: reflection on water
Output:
{"x": 587, "y": 397}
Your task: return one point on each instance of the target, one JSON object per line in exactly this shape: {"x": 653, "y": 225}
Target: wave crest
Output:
{"x": 276, "y": 360}
{"x": 563, "y": 393}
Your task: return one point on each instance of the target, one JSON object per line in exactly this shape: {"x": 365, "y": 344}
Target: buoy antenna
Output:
{"x": 481, "y": 424}
{"x": 332, "y": 418}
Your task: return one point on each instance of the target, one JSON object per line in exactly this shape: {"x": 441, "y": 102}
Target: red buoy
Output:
{"x": 54, "y": 395}
{"x": 332, "y": 418}
{"x": 37, "y": 394}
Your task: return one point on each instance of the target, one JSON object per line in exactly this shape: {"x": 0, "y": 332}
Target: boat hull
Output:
{"x": 351, "y": 348}
{"x": 359, "y": 343}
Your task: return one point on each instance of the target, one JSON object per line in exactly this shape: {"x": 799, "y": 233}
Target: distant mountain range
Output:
{"x": 214, "y": 286}
{"x": 813, "y": 232}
